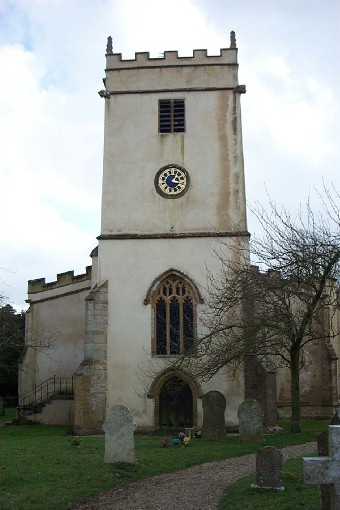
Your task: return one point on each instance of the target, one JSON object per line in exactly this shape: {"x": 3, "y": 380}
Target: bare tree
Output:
{"x": 277, "y": 306}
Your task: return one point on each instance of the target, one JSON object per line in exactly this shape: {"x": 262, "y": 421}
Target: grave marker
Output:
{"x": 269, "y": 469}
{"x": 250, "y": 416}
{"x": 119, "y": 441}
{"x": 326, "y": 470}
{"x": 325, "y": 489}
{"x": 323, "y": 451}
{"x": 213, "y": 427}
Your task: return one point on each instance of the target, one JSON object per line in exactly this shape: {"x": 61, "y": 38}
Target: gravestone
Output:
{"x": 269, "y": 469}
{"x": 323, "y": 451}
{"x": 213, "y": 428}
{"x": 119, "y": 441}
{"x": 250, "y": 415}
{"x": 325, "y": 489}
{"x": 326, "y": 470}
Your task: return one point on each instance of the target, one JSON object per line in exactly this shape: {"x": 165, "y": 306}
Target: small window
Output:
{"x": 171, "y": 116}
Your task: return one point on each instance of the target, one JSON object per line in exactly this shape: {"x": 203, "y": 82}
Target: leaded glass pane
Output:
{"x": 188, "y": 324}
{"x": 174, "y": 317}
{"x": 160, "y": 327}
{"x": 174, "y": 327}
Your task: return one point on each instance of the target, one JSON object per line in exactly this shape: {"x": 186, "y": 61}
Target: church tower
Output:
{"x": 173, "y": 188}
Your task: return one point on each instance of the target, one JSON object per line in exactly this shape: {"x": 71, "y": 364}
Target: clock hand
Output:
{"x": 176, "y": 179}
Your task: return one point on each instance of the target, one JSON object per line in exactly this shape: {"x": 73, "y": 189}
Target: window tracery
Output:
{"x": 174, "y": 317}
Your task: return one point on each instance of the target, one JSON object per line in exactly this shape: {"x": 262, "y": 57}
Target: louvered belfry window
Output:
{"x": 171, "y": 116}
{"x": 174, "y": 317}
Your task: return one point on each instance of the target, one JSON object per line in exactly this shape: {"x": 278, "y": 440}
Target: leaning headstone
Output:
{"x": 250, "y": 415}
{"x": 269, "y": 469}
{"x": 2, "y": 408}
{"x": 213, "y": 427}
{"x": 326, "y": 470}
{"x": 119, "y": 441}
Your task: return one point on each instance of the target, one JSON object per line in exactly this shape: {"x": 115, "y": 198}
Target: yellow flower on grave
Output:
{"x": 186, "y": 441}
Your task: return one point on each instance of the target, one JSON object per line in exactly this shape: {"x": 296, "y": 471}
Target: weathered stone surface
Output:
{"x": 323, "y": 451}
{"x": 119, "y": 441}
{"x": 90, "y": 379}
{"x": 260, "y": 385}
{"x": 250, "y": 415}
{"x": 213, "y": 416}
{"x": 269, "y": 469}
{"x": 322, "y": 442}
{"x": 326, "y": 470}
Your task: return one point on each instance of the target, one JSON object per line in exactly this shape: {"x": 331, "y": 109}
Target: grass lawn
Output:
{"x": 40, "y": 467}
{"x": 240, "y": 496}
{"x": 10, "y": 414}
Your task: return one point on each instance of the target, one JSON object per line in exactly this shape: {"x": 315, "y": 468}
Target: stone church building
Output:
{"x": 173, "y": 189}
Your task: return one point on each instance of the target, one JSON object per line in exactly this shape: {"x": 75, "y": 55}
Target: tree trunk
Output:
{"x": 295, "y": 390}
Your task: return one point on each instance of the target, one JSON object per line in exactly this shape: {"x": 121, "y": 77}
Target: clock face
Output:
{"x": 172, "y": 181}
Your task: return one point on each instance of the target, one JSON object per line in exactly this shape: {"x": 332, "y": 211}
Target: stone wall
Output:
{"x": 54, "y": 332}
{"x": 90, "y": 378}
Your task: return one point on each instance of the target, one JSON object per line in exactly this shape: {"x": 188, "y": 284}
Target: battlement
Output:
{"x": 171, "y": 58}
{"x": 63, "y": 279}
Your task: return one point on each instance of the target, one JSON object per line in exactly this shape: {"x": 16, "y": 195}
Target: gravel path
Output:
{"x": 197, "y": 488}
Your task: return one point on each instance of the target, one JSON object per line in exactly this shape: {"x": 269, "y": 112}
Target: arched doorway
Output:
{"x": 175, "y": 404}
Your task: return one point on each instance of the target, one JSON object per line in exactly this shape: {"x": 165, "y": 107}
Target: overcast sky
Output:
{"x": 52, "y": 60}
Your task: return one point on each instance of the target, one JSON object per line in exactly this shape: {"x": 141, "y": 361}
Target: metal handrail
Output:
{"x": 42, "y": 392}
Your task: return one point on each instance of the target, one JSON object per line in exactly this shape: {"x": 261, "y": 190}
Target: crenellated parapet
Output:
{"x": 171, "y": 72}
{"x": 171, "y": 58}
{"x": 226, "y": 56}
{"x": 63, "y": 279}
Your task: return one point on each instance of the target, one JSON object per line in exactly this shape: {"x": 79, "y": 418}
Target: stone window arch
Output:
{"x": 185, "y": 380}
{"x": 173, "y": 298}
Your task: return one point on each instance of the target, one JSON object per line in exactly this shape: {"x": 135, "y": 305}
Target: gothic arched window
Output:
{"x": 174, "y": 309}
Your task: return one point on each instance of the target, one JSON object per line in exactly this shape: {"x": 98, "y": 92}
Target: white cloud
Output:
{"x": 48, "y": 188}
{"x": 35, "y": 240}
{"x": 293, "y": 114}
{"x": 155, "y": 26}
{"x": 278, "y": 67}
